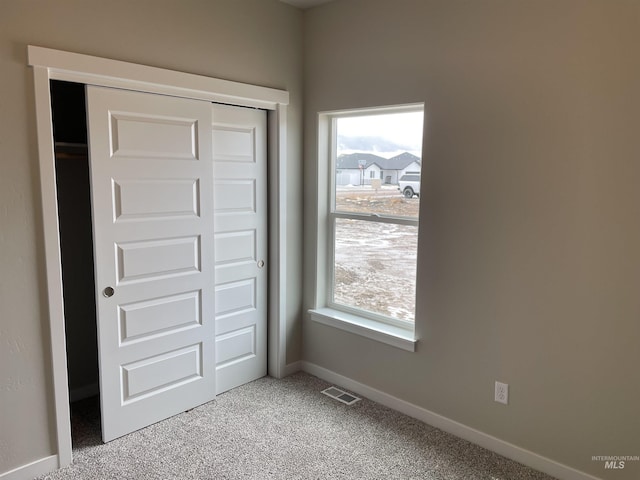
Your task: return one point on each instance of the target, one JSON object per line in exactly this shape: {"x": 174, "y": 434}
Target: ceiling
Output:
{"x": 306, "y": 3}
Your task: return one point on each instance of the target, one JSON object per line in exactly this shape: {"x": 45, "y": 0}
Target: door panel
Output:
{"x": 234, "y": 144}
{"x": 135, "y": 200}
{"x": 152, "y": 375}
{"x": 160, "y": 316}
{"x": 232, "y": 298}
{"x": 240, "y": 192}
{"x": 235, "y": 195}
{"x": 150, "y": 260}
{"x": 236, "y": 247}
{"x": 154, "y": 137}
{"x": 152, "y": 200}
{"x": 236, "y": 346}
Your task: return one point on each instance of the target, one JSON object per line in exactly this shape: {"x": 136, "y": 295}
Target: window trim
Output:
{"x": 365, "y": 327}
{"x": 396, "y": 332}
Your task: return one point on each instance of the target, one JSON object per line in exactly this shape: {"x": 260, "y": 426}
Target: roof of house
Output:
{"x": 352, "y": 160}
{"x": 399, "y": 162}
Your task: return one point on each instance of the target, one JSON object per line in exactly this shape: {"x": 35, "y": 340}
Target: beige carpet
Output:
{"x": 282, "y": 429}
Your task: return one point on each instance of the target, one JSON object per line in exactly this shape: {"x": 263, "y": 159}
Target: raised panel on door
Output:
{"x": 239, "y": 153}
{"x": 148, "y": 200}
{"x": 153, "y": 208}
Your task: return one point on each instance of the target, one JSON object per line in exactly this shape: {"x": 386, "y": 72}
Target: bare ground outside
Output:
{"x": 375, "y": 263}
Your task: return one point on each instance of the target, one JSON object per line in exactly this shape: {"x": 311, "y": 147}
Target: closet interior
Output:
{"x": 76, "y": 241}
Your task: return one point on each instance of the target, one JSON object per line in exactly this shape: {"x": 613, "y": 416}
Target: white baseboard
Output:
{"x": 32, "y": 470}
{"x": 292, "y": 368}
{"x": 506, "y": 449}
{"x": 83, "y": 392}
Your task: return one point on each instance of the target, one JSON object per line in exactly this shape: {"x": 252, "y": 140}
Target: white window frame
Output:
{"x": 392, "y": 331}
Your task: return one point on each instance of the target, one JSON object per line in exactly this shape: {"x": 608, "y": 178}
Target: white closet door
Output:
{"x": 153, "y": 209}
{"x": 240, "y": 190}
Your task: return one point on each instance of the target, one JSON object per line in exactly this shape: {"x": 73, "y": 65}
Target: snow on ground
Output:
{"x": 376, "y": 262}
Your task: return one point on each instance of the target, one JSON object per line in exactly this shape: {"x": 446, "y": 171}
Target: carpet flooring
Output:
{"x": 282, "y": 429}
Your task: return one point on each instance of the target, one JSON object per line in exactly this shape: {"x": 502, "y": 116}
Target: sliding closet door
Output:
{"x": 240, "y": 173}
{"x": 152, "y": 200}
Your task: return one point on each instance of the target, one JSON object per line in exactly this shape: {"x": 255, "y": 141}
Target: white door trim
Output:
{"x": 51, "y": 64}
{"x": 75, "y": 67}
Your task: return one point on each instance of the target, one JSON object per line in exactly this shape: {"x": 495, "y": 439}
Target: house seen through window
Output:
{"x": 374, "y": 213}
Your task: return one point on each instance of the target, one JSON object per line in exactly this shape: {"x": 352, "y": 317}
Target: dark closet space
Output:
{"x": 76, "y": 242}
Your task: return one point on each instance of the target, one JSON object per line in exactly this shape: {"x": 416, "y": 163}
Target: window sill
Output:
{"x": 389, "y": 334}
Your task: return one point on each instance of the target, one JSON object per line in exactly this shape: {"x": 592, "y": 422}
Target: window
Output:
{"x": 370, "y": 229}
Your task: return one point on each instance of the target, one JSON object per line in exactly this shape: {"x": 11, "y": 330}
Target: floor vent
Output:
{"x": 340, "y": 395}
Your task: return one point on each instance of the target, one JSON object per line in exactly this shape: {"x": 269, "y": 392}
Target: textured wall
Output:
{"x": 252, "y": 41}
{"x": 529, "y": 265}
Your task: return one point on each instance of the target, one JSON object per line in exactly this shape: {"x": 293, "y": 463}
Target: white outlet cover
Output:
{"x": 502, "y": 393}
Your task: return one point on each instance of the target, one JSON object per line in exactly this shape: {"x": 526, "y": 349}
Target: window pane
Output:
{"x": 375, "y": 267}
{"x": 378, "y": 163}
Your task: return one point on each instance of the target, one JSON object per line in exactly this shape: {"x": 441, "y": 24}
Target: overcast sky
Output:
{"x": 404, "y": 129}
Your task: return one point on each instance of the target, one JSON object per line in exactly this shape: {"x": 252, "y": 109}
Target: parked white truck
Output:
{"x": 409, "y": 184}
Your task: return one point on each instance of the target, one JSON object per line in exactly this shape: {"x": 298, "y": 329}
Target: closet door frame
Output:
{"x": 49, "y": 64}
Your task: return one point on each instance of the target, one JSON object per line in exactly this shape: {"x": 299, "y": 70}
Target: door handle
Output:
{"x": 108, "y": 292}
{"x": 260, "y": 263}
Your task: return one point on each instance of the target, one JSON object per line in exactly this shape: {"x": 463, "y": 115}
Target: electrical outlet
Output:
{"x": 502, "y": 393}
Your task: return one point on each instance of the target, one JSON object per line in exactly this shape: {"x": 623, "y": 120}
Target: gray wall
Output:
{"x": 529, "y": 257}
{"x": 252, "y": 41}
